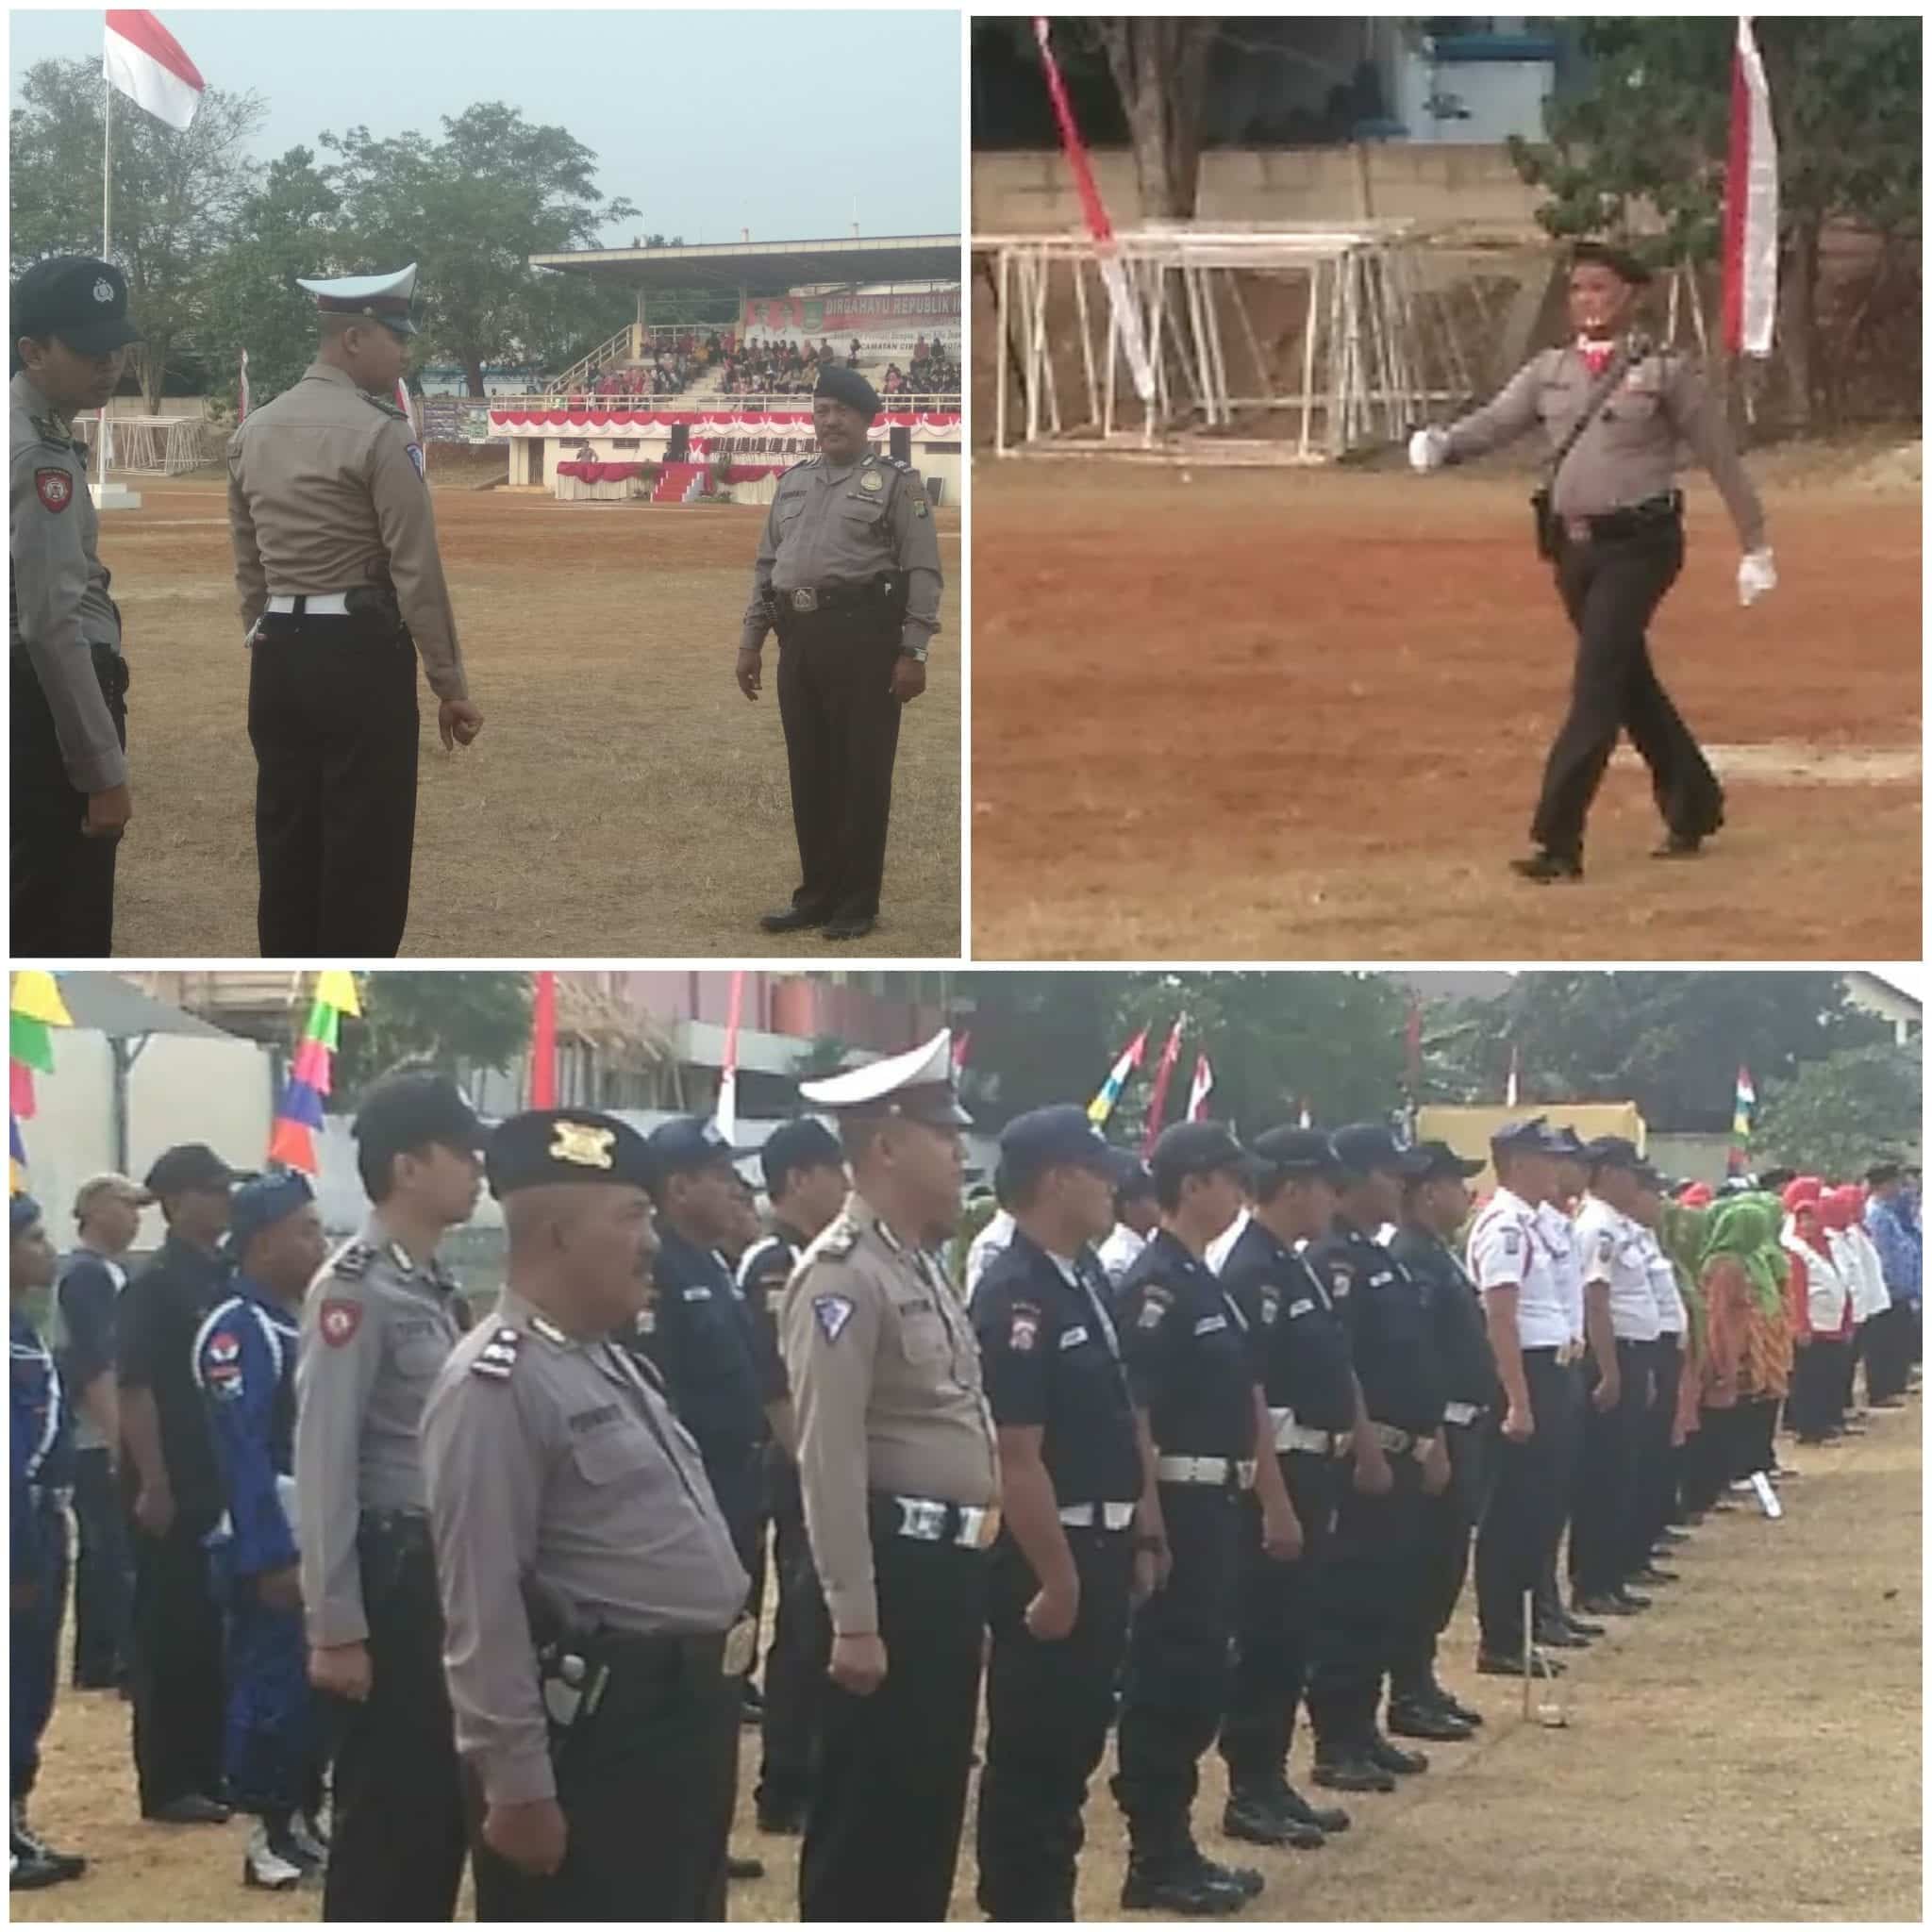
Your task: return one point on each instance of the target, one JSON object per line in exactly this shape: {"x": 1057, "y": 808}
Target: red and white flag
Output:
{"x": 243, "y": 411}
{"x": 1203, "y": 1087}
{"x": 406, "y": 405}
{"x": 728, "y": 1078}
{"x": 144, "y": 61}
{"x": 1750, "y": 205}
{"x": 1127, "y": 309}
{"x": 1156, "y": 1102}
{"x": 1510, "y": 1085}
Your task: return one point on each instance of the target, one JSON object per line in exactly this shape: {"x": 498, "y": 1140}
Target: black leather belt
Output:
{"x": 1635, "y": 520}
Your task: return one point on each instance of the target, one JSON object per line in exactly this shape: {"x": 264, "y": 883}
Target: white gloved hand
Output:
{"x": 1428, "y": 449}
{"x": 1757, "y": 573}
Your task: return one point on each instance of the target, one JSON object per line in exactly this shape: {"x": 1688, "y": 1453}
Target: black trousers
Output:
{"x": 62, "y": 897}
{"x": 1447, "y": 1524}
{"x": 34, "y": 1641}
{"x": 842, "y": 733}
{"x": 1610, "y": 591}
{"x": 1175, "y": 1682}
{"x": 1368, "y": 1590}
{"x": 889, "y": 1798}
{"x": 1657, "y": 1462}
{"x": 399, "y": 1835}
{"x": 1524, "y": 1517}
{"x": 1891, "y": 1336}
{"x": 175, "y": 1683}
{"x": 103, "y": 1575}
{"x": 1275, "y": 1621}
{"x": 1048, "y": 1710}
{"x": 1816, "y": 1406}
{"x": 332, "y": 717}
{"x": 646, "y": 1788}
{"x": 1602, "y": 1522}
{"x": 795, "y": 1663}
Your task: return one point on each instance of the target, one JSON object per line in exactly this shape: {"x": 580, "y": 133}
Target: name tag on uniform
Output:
{"x": 1210, "y": 1324}
{"x": 1301, "y": 1307}
{"x": 697, "y": 1294}
{"x": 1379, "y": 1280}
{"x": 1072, "y": 1338}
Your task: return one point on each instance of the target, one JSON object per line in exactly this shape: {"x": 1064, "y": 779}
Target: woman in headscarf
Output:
{"x": 1684, "y": 1228}
{"x": 1747, "y": 1369}
{"x": 1821, "y": 1298}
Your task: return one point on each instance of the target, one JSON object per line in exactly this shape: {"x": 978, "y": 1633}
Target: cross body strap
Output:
{"x": 1631, "y": 350}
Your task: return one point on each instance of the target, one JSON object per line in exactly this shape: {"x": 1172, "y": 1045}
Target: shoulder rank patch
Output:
{"x": 1155, "y": 1303}
{"x": 339, "y": 1321}
{"x": 54, "y": 487}
{"x": 383, "y": 402}
{"x": 831, "y": 1312}
{"x": 415, "y": 454}
{"x": 498, "y": 1356}
{"x": 919, "y": 506}
{"x": 1025, "y": 1329}
{"x": 1271, "y": 1306}
{"x": 837, "y": 1239}
{"x": 352, "y": 1264}
{"x": 647, "y": 1322}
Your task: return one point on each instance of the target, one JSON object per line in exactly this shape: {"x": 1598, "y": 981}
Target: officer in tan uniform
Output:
{"x": 848, "y": 574}
{"x": 900, "y": 1473}
{"x": 1612, "y": 522}
{"x": 69, "y": 680}
{"x": 376, "y": 1327}
{"x": 342, "y": 589}
{"x": 591, "y": 1596}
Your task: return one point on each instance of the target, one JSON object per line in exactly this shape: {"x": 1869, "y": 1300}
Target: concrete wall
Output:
{"x": 1441, "y": 184}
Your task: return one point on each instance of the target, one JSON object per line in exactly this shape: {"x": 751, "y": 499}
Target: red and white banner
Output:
{"x": 1750, "y": 205}
{"x": 543, "y": 1041}
{"x": 243, "y": 414}
{"x": 144, "y": 61}
{"x": 1157, "y": 1101}
{"x": 407, "y": 404}
{"x": 1127, "y": 309}
{"x": 1203, "y": 1087}
{"x": 921, "y": 428}
{"x": 727, "y": 1076}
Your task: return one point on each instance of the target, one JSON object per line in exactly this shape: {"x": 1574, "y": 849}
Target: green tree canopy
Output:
{"x": 445, "y": 1020}
{"x": 1837, "y": 1115}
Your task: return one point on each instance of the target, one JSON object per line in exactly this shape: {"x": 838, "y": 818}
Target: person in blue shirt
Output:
{"x": 1889, "y": 1336}
{"x": 40, "y": 1473}
{"x": 245, "y": 1366}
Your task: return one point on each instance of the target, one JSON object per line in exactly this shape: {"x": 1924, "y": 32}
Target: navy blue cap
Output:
{"x": 1435, "y": 1161}
{"x": 1049, "y": 1136}
{"x": 1368, "y": 1146}
{"x": 566, "y": 1145}
{"x": 79, "y": 298}
{"x": 1568, "y": 1144}
{"x": 22, "y": 1212}
{"x": 679, "y": 1145}
{"x": 1532, "y": 1136}
{"x": 192, "y": 1167}
{"x": 1294, "y": 1151}
{"x": 262, "y": 1202}
{"x": 1195, "y": 1147}
{"x": 848, "y": 387}
{"x": 1137, "y": 1184}
{"x": 410, "y": 1110}
{"x": 1614, "y": 1150}
{"x": 804, "y": 1142}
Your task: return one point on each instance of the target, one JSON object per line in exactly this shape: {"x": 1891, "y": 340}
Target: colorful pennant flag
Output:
{"x": 299, "y": 1112}
{"x": 1744, "y": 1107}
{"x": 1156, "y": 1104}
{"x": 1104, "y": 1103}
{"x": 35, "y": 1007}
{"x": 1203, "y": 1086}
{"x": 1750, "y": 230}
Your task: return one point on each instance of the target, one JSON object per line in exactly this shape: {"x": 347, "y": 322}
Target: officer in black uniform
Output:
{"x": 1313, "y": 1402}
{"x": 806, "y": 1182}
{"x": 1374, "y": 1562}
{"x": 1072, "y": 1475}
{"x": 1436, "y": 1202}
{"x": 1194, "y": 1373}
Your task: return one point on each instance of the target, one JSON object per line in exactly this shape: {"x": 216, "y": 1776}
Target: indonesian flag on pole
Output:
{"x": 144, "y": 61}
{"x": 728, "y": 1077}
{"x": 1750, "y": 205}
{"x": 1156, "y": 1102}
{"x": 406, "y": 405}
{"x": 1127, "y": 310}
{"x": 1203, "y": 1087}
{"x": 244, "y": 414}
{"x": 1510, "y": 1085}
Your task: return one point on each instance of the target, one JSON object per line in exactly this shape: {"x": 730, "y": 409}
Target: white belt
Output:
{"x": 1290, "y": 1434}
{"x": 925, "y": 1521}
{"x": 1463, "y": 1413}
{"x": 1204, "y": 1469}
{"x": 1110, "y": 1515}
{"x": 1400, "y": 1442}
{"x": 335, "y": 605}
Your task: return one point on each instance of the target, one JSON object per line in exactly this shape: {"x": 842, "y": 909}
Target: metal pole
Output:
{"x": 107, "y": 244}
{"x": 1003, "y": 322}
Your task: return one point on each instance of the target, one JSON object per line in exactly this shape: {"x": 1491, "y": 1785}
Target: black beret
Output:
{"x": 848, "y": 387}
{"x": 564, "y": 1145}
{"x": 1619, "y": 261}
{"x": 79, "y": 298}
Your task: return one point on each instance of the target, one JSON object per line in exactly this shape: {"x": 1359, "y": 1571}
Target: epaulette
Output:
{"x": 543, "y": 1326}
{"x": 837, "y": 1242}
{"x": 498, "y": 1356}
{"x": 352, "y": 1264}
{"x": 388, "y": 408}
{"x": 898, "y": 464}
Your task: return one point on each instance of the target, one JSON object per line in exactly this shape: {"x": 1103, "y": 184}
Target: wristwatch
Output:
{"x": 916, "y": 652}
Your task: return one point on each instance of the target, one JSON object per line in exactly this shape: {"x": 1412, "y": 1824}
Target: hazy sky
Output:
{"x": 710, "y": 123}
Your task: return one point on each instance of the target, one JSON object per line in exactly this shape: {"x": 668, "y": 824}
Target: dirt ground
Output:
{"x": 624, "y": 799}
{"x": 1749, "y": 1750}
{"x": 1264, "y": 714}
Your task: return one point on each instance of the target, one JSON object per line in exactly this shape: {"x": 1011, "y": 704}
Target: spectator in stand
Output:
{"x": 852, "y": 360}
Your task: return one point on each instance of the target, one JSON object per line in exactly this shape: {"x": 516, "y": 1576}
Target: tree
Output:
{"x": 1836, "y": 1116}
{"x": 1160, "y": 65}
{"x": 445, "y": 1020}
{"x": 471, "y": 210}
{"x": 177, "y": 196}
{"x": 1644, "y": 147}
{"x": 827, "y": 1055}
{"x": 1670, "y": 1042}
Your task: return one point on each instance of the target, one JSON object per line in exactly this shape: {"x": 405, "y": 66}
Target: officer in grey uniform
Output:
{"x": 378, "y": 1325}
{"x": 899, "y": 1466}
{"x": 848, "y": 574}
{"x": 1611, "y": 524}
{"x": 69, "y": 680}
{"x": 341, "y": 588}
{"x": 589, "y": 1589}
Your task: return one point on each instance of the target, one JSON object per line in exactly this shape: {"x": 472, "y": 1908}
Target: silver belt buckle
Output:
{"x": 922, "y": 1518}
{"x": 805, "y": 600}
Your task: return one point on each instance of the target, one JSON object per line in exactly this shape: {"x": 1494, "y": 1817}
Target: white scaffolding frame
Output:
{"x": 1379, "y": 344}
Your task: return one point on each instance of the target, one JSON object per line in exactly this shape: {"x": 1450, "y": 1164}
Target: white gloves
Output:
{"x": 1757, "y": 573}
{"x": 1428, "y": 449}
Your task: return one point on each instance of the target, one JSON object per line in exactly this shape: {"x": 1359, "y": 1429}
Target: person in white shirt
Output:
{"x": 1621, "y": 1324}
{"x": 1136, "y": 1214}
{"x": 993, "y": 1238}
{"x": 1556, "y": 1624}
{"x": 1813, "y": 1237}
{"x": 1529, "y": 1332}
{"x": 1659, "y": 1459}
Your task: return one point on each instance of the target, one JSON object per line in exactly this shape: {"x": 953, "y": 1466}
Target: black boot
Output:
{"x": 793, "y": 919}
{"x": 1254, "y": 1814}
{"x": 1393, "y": 1757}
{"x": 1326, "y": 1818}
{"x": 1411, "y": 1718}
{"x": 1544, "y": 866}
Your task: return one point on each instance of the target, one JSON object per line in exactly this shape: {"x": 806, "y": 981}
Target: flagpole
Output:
{"x": 106, "y": 243}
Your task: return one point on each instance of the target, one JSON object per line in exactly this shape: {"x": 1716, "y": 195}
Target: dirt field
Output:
{"x": 1260, "y": 714}
{"x": 1751, "y": 1749}
{"x": 624, "y": 798}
